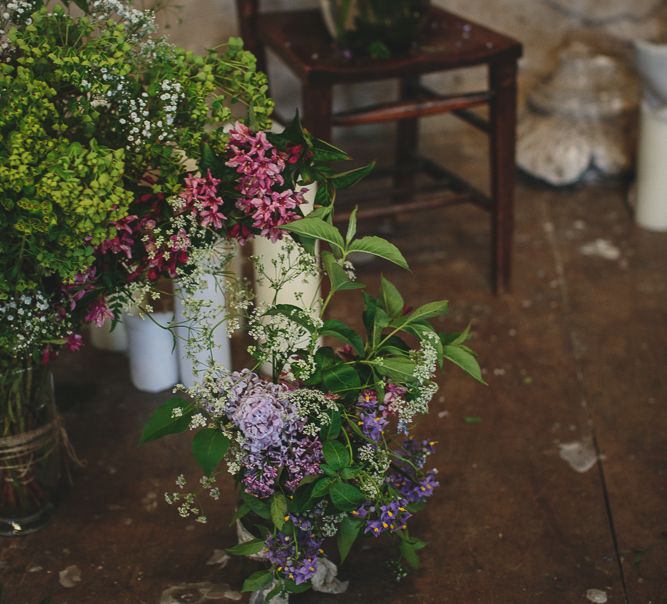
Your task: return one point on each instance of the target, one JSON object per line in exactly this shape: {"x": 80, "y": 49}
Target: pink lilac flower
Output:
{"x": 261, "y": 165}
{"x": 98, "y": 313}
{"x": 74, "y": 342}
{"x": 202, "y": 199}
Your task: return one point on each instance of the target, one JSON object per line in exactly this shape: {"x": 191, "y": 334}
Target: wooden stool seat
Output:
{"x": 301, "y": 40}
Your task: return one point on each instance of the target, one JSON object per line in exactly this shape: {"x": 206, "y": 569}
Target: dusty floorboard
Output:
{"x": 576, "y": 356}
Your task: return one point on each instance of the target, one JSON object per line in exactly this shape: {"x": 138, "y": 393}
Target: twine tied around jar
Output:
{"x": 20, "y": 452}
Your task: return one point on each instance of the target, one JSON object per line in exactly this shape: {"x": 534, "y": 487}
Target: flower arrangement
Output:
{"x": 121, "y": 162}
{"x": 97, "y": 119}
{"x": 325, "y": 449}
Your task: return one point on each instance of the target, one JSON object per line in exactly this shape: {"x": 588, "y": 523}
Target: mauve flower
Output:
{"x": 98, "y": 313}
{"x": 74, "y": 342}
{"x": 259, "y": 417}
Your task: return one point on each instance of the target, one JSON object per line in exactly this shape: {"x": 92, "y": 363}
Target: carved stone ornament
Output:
{"x": 580, "y": 121}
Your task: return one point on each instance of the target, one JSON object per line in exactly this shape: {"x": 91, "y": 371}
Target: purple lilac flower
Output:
{"x": 273, "y": 436}
{"x": 260, "y": 419}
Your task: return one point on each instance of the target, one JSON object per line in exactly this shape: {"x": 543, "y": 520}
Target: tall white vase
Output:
{"x": 104, "y": 338}
{"x": 153, "y": 358}
{"x": 305, "y": 288}
{"x": 651, "y": 208}
{"x": 191, "y": 360}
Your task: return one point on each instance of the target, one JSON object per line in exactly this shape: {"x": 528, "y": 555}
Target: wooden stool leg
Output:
{"x": 502, "y": 82}
{"x": 317, "y": 109}
{"x": 407, "y": 138}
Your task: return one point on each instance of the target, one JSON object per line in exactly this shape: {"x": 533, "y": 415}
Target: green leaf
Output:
{"x": 258, "y": 506}
{"x": 248, "y": 548}
{"x": 293, "y": 588}
{"x": 380, "y": 321}
{"x": 257, "y": 581}
{"x": 408, "y": 552}
{"x": 465, "y": 360}
{"x": 278, "y": 510}
{"x": 347, "y": 535}
{"x": 346, "y": 497}
{"x": 349, "y": 473}
{"x": 339, "y": 330}
{"x": 472, "y": 419}
{"x": 377, "y": 246}
{"x": 241, "y": 511}
{"x": 321, "y": 487}
{"x": 273, "y": 593}
{"x": 346, "y": 179}
{"x": 293, "y": 313}
{"x": 351, "y": 226}
{"x": 400, "y": 369}
{"x": 340, "y": 378}
{"x": 428, "y": 311}
{"x": 326, "y": 152}
{"x": 336, "y": 455}
{"x": 332, "y": 429}
{"x": 391, "y": 298}
{"x": 318, "y": 229}
{"x": 209, "y": 447}
{"x": 455, "y": 339}
{"x": 163, "y": 421}
{"x": 340, "y": 281}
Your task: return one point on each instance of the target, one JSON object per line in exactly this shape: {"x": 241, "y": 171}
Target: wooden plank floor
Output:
{"x": 575, "y": 357}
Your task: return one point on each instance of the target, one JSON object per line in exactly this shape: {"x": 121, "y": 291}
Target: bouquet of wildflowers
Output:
{"x": 323, "y": 453}
{"x": 121, "y": 162}
{"x": 103, "y": 127}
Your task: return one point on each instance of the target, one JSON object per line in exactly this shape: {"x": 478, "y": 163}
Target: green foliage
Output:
{"x": 247, "y": 548}
{"x": 345, "y": 496}
{"x": 257, "y": 581}
{"x": 169, "y": 418}
{"x": 347, "y": 535}
{"x": 278, "y": 510}
{"x": 335, "y": 454}
{"x": 377, "y": 246}
{"x": 209, "y": 448}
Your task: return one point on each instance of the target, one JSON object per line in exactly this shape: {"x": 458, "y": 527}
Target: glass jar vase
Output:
{"x": 30, "y": 456}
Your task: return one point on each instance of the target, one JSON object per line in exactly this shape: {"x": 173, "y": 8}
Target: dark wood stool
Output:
{"x": 450, "y": 42}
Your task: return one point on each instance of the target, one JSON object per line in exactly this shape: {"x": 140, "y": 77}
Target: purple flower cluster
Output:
{"x": 373, "y": 417}
{"x": 390, "y": 518}
{"x": 261, "y": 166}
{"x": 414, "y": 490}
{"x": 273, "y": 437}
{"x": 295, "y": 559}
{"x": 412, "y": 487}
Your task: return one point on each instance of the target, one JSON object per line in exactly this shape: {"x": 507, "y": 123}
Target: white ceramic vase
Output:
{"x": 151, "y": 350}
{"x": 104, "y": 338}
{"x": 192, "y": 361}
{"x": 651, "y": 204}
